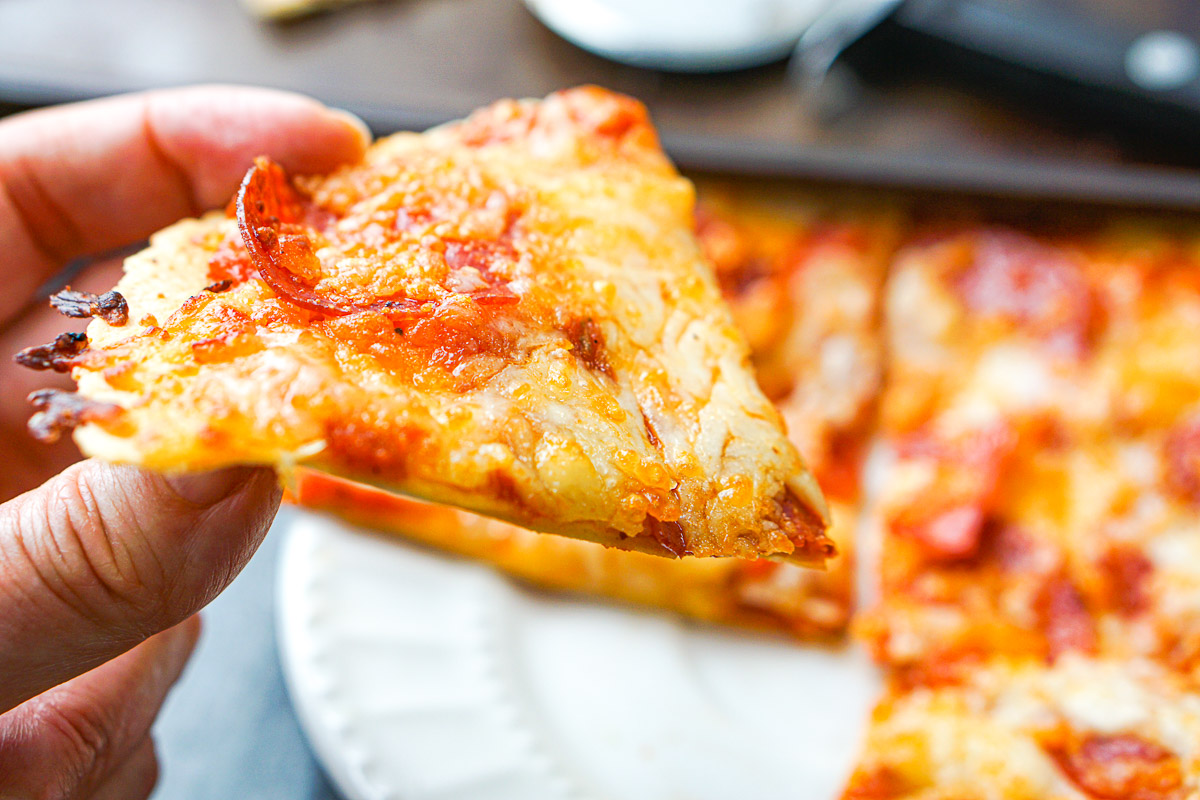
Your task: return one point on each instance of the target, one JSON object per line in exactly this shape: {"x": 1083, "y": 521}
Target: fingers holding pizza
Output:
{"x": 99, "y": 560}
{"x": 87, "y": 178}
{"x": 509, "y": 314}
{"x": 80, "y": 180}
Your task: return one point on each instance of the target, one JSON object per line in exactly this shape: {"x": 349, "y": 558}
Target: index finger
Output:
{"x": 88, "y": 177}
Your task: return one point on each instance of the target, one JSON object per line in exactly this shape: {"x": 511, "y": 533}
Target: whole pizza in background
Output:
{"x": 1040, "y": 574}
{"x": 1036, "y": 398}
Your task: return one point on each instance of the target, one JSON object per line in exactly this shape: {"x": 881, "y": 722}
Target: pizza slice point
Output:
{"x": 509, "y": 314}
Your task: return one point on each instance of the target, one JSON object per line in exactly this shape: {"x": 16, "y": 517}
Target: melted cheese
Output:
{"x": 628, "y": 416}
{"x": 825, "y": 364}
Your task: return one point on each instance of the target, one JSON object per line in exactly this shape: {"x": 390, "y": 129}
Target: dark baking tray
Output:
{"x": 413, "y": 63}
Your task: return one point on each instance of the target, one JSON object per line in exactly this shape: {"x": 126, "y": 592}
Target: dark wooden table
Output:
{"x": 412, "y": 63}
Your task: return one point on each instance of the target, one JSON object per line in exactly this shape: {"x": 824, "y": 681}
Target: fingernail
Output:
{"x": 355, "y": 123}
{"x": 206, "y": 488}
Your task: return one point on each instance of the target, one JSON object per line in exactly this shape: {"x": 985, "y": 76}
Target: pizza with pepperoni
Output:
{"x": 1041, "y": 411}
{"x": 803, "y": 278}
{"x": 1085, "y": 729}
{"x": 510, "y": 314}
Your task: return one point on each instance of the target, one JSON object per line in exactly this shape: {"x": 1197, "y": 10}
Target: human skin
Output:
{"x": 103, "y": 568}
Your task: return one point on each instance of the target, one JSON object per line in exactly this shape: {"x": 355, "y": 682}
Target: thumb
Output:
{"x": 101, "y": 557}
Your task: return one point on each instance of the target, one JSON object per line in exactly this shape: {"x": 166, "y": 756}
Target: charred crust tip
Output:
{"x": 57, "y": 412}
{"x": 59, "y": 355}
{"x": 110, "y": 306}
{"x": 219, "y": 286}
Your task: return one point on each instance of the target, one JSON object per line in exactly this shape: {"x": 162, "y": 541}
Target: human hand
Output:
{"x": 102, "y": 567}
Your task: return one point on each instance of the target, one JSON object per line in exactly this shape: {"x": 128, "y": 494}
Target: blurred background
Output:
{"x": 1073, "y": 101}
{"x": 1083, "y": 99}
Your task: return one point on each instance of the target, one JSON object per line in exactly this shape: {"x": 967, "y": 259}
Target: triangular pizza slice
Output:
{"x": 802, "y": 273}
{"x": 509, "y": 314}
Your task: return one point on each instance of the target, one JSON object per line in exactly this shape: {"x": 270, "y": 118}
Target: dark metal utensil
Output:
{"x": 1123, "y": 69}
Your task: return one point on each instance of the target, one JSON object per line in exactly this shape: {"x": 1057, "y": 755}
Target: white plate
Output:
{"x": 682, "y": 35}
{"x": 418, "y": 676}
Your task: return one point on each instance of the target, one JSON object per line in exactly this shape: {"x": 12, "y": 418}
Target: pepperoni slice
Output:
{"x": 1119, "y": 767}
{"x": 949, "y": 534}
{"x": 1064, "y": 617}
{"x": 1182, "y": 461}
{"x": 481, "y": 256}
{"x": 1035, "y": 285}
{"x": 269, "y": 213}
{"x": 271, "y": 218}
{"x": 969, "y": 468}
{"x": 1127, "y": 572}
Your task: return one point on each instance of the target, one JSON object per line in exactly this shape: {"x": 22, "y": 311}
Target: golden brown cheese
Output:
{"x": 812, "y": 275}
{"x": 510, "y": 314}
